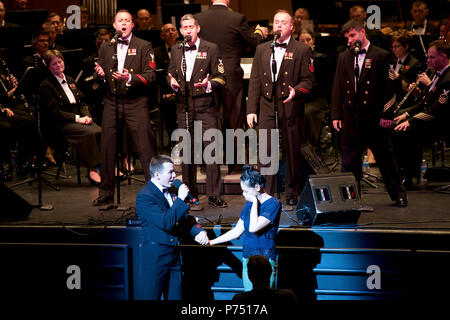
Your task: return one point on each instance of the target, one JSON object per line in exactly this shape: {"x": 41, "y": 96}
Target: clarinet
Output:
{"x": 400, "y": 104}
{"x": 9, "y": 77}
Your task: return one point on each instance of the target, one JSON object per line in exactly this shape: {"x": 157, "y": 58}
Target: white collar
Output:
{"x": 156, "y": 183}
{"x": 60, "y": 80}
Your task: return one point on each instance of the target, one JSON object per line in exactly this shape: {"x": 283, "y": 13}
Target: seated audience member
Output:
{"x": 259, "y": 273}
{"x": 406, "y": 67}
{"x": 84, "y": 18}
{"x": 429, "y": 115}
{"x": 358, "y": 12}
{"x": 65, "y": 114}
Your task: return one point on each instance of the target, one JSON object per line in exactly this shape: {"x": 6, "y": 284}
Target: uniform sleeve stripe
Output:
{"x": 424, "y": 116}
{"x": 303, "y": 90}
{"x": 142, "y": 79}
{"x": 389, "y": 104}
{"x": 221, "y": 81}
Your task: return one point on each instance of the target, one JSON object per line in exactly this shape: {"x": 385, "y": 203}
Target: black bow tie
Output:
{"x": 125, "y": 42}
{"x": 399, "y": 62}
{"x": 165, "y": 190}
{"x": 189, "y": 48}
{"x": 64, "y": 81}
{"x": 361, "y": 51}
{"x": 417, "y": 26}
{"x": 282, "y": 45}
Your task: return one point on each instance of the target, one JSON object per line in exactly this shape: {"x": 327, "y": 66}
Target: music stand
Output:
{"x": 29, "y": 77}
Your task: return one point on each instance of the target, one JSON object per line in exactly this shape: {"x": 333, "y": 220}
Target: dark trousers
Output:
{"x": 208, "y": 116}
{"x": 360, "y": 133}
{"x": 161, "y": 269}
{"x": 135, "y": 115}
{"x": 290, "y": 142}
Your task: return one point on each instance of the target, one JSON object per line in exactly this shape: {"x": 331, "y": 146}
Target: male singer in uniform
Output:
{"x": 294, "y": 81}
{"x": 164, "y": 216}
{"x": 204, "y": 74}
{"x": 129, "y": 84}
{"x": 362, "y": 108}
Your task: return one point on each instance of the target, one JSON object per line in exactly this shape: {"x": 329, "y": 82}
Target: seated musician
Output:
{"x": 64, "y": 113}
{"x": 428, "y": 115}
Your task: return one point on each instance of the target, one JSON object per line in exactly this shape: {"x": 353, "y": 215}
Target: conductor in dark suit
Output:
{"x": 362, "y": 108}
{"x": 168, "y": 107}
{"x": 129, "y": 83}
{"x": 294, "y": 82}
{"x": 64, "y": 113}
{"x": 204, "y": 74}
{"x": 164, "y": 216}
{"x": 231, "y": 32}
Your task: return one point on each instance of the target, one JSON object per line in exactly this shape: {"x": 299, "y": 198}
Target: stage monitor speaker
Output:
{"x": 14, "y": 207}
{"x": 329, "y": 199}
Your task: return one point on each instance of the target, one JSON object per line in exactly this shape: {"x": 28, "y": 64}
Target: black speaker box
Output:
{"x": 13, "y": 206}
{"x": 329, "y": 199}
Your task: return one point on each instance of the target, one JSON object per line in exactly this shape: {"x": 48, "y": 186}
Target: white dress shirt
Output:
{"x": 279, "y": 56}
{"x": 69, "y": 94}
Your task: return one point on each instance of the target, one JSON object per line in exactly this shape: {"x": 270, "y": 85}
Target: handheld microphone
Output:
{"x": 177, "y": 183}
{"x": 357, "y": 47}
{"x": 276, "y": 36}
{"x": 116, "y": 37}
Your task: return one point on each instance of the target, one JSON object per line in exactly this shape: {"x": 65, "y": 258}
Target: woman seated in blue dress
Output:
{"x": 258, "y": 223}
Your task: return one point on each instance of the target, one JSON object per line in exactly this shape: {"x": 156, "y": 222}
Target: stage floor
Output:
{"x": 427, "y": 208}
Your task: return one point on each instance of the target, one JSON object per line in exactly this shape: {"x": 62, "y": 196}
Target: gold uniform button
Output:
{"x": 367, "y": 92}
{"x": 348, "y": 91}
{"x": 201, "y": 70}
{"x": 286, "y": 73}
{"x": 267, "y": 93}
{"x": 284, "y": 83}
{"x": 282, "y": 92}
{"x": 110, "y": 70}
{"x": 365, "y": 102}
{"x": 267, "y": 84}
{"x": 265, "y": 73}
{"x": 349, "y": 101}
{"x": 348, "y": 81}
{"x": 131, "y": 70}
{"x": 368, "y": 82}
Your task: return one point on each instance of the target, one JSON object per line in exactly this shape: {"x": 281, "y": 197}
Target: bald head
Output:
{"x": 143, "y": 20}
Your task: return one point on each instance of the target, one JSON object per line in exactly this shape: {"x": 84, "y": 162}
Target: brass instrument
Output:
{"x": 20, "y": 98}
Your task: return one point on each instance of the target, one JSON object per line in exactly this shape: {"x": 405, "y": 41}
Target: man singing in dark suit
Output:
{"x": 163, "y": 216}
{"x": 231, "y": 32}
{"x": 129, "y": 83}
{"x": 294, "y": 81}
{"x": 362, "y": 107}
{"x": 204, "y": 74}
{"x": 428, "y": 116}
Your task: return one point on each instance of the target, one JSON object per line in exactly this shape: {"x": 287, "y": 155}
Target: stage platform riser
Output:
{"x": 317, "y": 263}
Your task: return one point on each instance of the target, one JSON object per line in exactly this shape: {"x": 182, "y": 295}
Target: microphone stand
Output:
{"x": 192, "y": 174}
{"x": 275, "y": 108}
{"x": 37, "y": 175}
{"x": 118, "y": 134}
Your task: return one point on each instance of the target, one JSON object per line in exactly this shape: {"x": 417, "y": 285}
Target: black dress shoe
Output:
{"x": 102, "y": 201}
{"x": 401, "y": 202}
{"x": 216, "y": 202}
